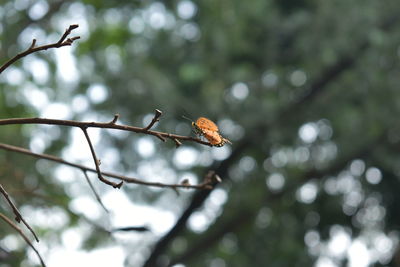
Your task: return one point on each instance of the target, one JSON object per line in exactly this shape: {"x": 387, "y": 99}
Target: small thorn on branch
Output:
{"x": 185, "y": 182}
{"x": 177, "y": 142}
{"x": 217, "y": 178}
{"x": 114, "y": 120}
{"x": 33, "y": 44}
{"x": 157, "y": 114}
{"x": 161, "y": 138}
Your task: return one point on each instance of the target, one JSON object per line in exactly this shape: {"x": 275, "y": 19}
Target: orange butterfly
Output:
{"x": 210, "y": 131}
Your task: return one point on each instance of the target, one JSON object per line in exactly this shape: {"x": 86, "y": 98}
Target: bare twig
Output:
{"x": 94, "y": 191}
{"x": 126, "y": 179}
{"x": 157, "y": 114}
{"x": 13, "y": 225}
{"x": 32, "y": 49}
{"x": 18, "y": 216}
{"x": 108, "y": 125}
{"x": 97, "y": 162}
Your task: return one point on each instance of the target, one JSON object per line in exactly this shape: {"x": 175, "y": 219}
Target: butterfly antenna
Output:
{"x": 227, "y": 141}
{"x": 189, "y": 119}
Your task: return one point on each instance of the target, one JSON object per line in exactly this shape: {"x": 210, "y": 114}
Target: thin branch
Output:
{"x": 97, "y": 163}
{"x": 108, "y": 125}
{"x": 7, "y": 220}
{"x": 94, "y": 191}
{"x": 32, "y": 49}
{"x": 18, "y": 216}
{"x": 157, "y": 114}
{"x": 126, "y": 179}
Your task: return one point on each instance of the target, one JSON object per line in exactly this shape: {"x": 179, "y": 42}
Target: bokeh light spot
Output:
{"x": 247, "y": 164}
{"x": 275, "y": 181}
{"x": 269, "y": 79}
{"x": 240, "y": 91}
{"x": 357, "y": 167}
{"x": 308, "y": 132}
{"x": 145, "y": 147}
{"x": 373, "y": 175}
{"x": 185, "y": 157}
{"x": 186, "y": 9}
{"x": 298, "y": 78}
{"x": 38, "y": 10}
{"x": 312, "y": 238}
{"x": 307, "y": 193}
{"x": 97, "y": 93}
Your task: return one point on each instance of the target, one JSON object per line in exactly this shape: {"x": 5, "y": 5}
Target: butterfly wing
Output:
{"x": 206, "y": 124}
{"x": 210, "y": 131}
{"x": 213, "y": 137}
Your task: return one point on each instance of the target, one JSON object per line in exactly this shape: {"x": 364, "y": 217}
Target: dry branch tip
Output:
{"x": 119, "y": 185}
{"x": 157, "y": 114}
{"x": 66, "y": 33}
